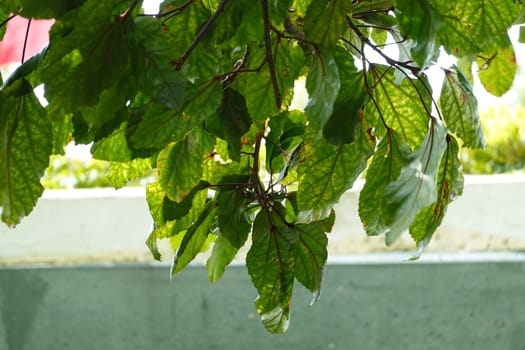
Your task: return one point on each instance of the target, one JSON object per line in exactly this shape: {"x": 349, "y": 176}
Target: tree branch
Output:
{"x": 179, "y": 62}
{"x": 269, "y": 56}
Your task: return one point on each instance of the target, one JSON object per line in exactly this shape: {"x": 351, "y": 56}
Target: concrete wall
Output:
{"x": 363, "y": 306}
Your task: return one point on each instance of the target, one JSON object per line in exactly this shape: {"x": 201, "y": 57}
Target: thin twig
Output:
{"x": 269, "y": 56}
{"x": 25, "y": 41}
{"x": 4, "y": 22}
{"x": 179, "y": 62}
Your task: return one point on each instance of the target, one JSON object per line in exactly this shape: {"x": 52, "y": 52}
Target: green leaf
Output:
{"x": 119, "y": 174}
{"x": 310, "y": 255}
{"x": 270, "y": 265}
{"x": 473, "y": 26}
{"x": 178, "y": 211}
{"x": 231, "y": 122}
{"x": 521, "y": 38}
{"x": 449, "y": 186}
{"x": 233, "y": 223}
{"x": 48, "y": 8}
{"x": 344, "y": 122}
{"x": 258, "y": 90}
{"x": 325, "y": 22}
{"x": 416, "y": 187}
{"x": 392, "y": 154}
{"x": 114, "y": 147}
{"x": 404, "y": 107}
{"x": 194, "y": 238}
{"x": 459, "y": 108}
{"x": 25, "y": 147}
{"x": 180, "y": 164}
{"x": 222, "y": 254}
{"x": 323, "y": 84}
{"x": 89, "y": 52}
{"x": 419, "y": 23}
{"x": 164, "y": 84}
{"x": 285, "y": 134}
{"x": 327, "y": 171}
{"x": 202, "y": 102}
{"x": 497, "y": 70}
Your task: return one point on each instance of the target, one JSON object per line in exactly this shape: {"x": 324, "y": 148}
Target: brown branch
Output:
{"x": 269, "y": 56}
{"x": 179, "y": 62}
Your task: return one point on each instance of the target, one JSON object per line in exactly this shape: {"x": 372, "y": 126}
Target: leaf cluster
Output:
{"x": 201, "y": 92}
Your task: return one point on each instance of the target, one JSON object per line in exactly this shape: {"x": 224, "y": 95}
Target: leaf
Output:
{"x": 221, "y": 256}
{"x": 270, "y": 265}
{"x": 176, "y": 124}
{"x": 473, "y": 26}
{"x": 120, "y": 174}
{"x": 310, "y": 255}
{"x": 392, "y": 154}
{"x": 233, "y": 223}
{"x": 344, "y": 122}
{"x": 418, "y": 21}
{"x": 230, "y": 122}
{"x": 258, "y": 90}
{"x": 497, "y": 70}
{"x": 49, "y": 8}
{"x": 416, "y": 187}
{"x": 404, "y": 107}
{"x": 459, "y": 108}
{"x": 194, "y": 238}
{"x": 327, "y": 171}
{"x": 180, "y": 164}
{"x": 113, "y": 148}
{"x": 323, "y": 84}
{"x": 449, "y": 186}
{"x": 325, "y": 22}
{"x": 25, "y": 147}
{"x": 89, "y": 52}
{"x": 164, "y": 84}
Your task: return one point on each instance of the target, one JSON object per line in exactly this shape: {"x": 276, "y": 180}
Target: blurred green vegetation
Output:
{"x": 504, "y": 129}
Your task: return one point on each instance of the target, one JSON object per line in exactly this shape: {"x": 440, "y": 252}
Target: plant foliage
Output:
{"x": 201, "y": 92}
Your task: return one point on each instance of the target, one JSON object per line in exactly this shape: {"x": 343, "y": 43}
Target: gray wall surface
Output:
{"x": 421, "y": 306}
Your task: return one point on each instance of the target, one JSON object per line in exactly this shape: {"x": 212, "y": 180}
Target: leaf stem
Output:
{"x": 26, "y": 40}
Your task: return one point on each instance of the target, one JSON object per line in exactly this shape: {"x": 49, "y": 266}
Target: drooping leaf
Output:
{"x": 449, "y": 186}
{"x": 416, "y": 186}
{"x": 327, "y": 171}
{"x": 233, "y": 223}
{"x": 420, "y": 24}
{"x": 270, "y": 265}
{"x": 222, "y": 254}
{"x": 180, "y": 164}
{"x": 325, "y": 21}
{"x": 473, "y": 26}
{"x": 344, "y": 122}
{"x": 25, "y": 147}
{"x": 459, "y": 108}
{"x": 323, "y": 84}
{"x": 404, "y": 107}
{"x": 164, "y": 84}
{"x": 90, "y": 53}
{"x": 392, "y": 154}
{"x": 497, "y": 70}
{"x": 310, "y": 255}
{"x": 194, "y": 238}
{"x": 230, "y": 122}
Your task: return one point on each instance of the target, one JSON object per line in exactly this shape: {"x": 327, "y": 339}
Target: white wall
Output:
{"x": 83, "y": 226}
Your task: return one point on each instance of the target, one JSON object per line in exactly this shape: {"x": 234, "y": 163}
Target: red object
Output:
{"x": 12, "y": 45}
